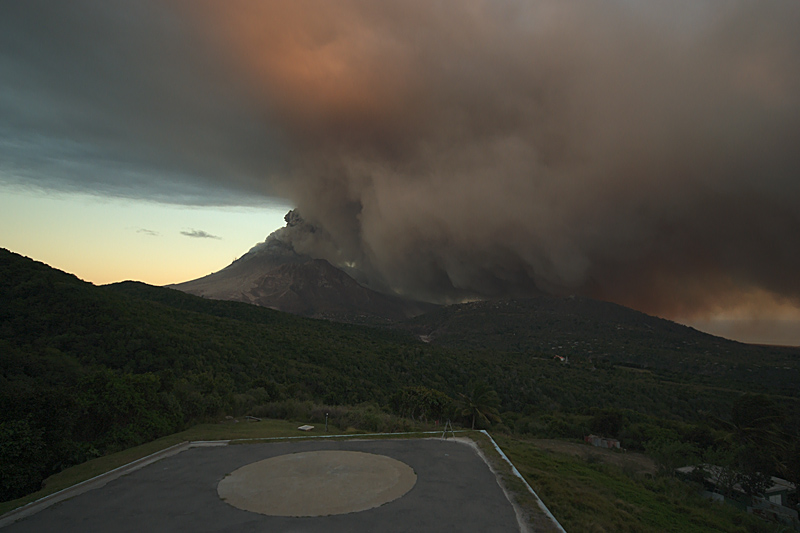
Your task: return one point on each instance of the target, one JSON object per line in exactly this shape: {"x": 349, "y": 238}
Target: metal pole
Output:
{"x": 326, "y": 422}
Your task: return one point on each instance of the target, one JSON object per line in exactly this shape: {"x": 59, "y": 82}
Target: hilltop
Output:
{"x": 87, "y": 370}
{"x": 272, "y": 274}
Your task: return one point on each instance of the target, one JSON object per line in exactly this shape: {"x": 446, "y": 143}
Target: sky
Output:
{"x": 108, "y": 239}
{"x": 640, "y": 152}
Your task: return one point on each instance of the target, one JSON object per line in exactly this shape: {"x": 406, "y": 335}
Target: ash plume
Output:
{"x": 644, "y": 155}
{"x": 640, "y": 152}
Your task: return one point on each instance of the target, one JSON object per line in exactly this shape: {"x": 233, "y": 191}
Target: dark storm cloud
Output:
{"x": 641, "y": 152}
{"x": 121, "y": 98}
{"x": 199, "y": 234}
{"x": 638, "y": 153}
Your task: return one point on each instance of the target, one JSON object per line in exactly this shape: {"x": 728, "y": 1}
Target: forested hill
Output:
{"x": 86, "y": 370}
{"x": 605, "y": 333}
{"x": 54, "y": 324}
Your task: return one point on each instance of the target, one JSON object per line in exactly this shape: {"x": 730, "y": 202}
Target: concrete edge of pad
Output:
{"x": 89, "y": 484}
{"x": 553, "y": 522}
{"x": 99, "y": 481}
{"x": 518, "y": 512}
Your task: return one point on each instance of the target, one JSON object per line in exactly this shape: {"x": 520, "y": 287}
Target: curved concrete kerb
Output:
{"x": 319, "y": 483}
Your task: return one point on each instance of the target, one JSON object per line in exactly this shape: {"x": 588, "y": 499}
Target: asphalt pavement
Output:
{"x": 455, "y": 491}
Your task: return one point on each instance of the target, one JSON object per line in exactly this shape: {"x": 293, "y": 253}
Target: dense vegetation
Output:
{"x": 88, "y": 370}
{"x": 585, "y": 330}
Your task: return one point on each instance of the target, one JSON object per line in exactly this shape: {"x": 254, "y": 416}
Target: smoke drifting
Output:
{"x": 646, "y": 153}
{"x": 469, "y": 149}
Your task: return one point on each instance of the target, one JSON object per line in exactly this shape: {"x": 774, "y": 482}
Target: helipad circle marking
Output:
{"x": 319, "y": 483}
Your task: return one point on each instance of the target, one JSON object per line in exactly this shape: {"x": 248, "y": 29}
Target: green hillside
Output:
{"x": 605, "y": 333}
{"x": 86, "y": 370}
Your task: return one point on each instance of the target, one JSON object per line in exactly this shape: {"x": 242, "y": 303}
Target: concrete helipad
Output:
{"x": 320, "y": 483}
{"x": 370, "y": 485}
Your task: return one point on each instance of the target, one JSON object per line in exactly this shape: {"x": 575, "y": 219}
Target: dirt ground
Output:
{"x": 629, "y": 460}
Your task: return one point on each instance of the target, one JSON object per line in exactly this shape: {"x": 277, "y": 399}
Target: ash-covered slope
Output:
{"x": 236, "y": 280}
{"x": 273, "y": 275}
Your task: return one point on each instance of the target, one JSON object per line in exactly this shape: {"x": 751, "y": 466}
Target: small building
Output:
{"x": 777, "y": 493}
{"x": 772, "y": 505}
{"x": 601, "y": 442}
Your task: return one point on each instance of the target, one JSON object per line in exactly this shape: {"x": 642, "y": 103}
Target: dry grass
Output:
{"x": 628, "y": 461}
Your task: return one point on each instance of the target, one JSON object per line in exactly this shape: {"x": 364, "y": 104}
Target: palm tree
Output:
{"x": 480, "y": 402}
{"x": 756, "y": 420}
{"x": 756, "y": 441}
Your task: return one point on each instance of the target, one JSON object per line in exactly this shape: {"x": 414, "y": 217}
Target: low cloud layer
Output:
{"x": 198, "y": 234}
{"x": 628, "y": 151}
{"x": 125, "y": 99}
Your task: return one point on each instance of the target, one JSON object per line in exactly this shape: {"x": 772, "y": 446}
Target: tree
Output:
{"x": 754, "y": 467}
{"x": 757, "y": 440}
{"x": 791, "y": 462}
{"x": 755, "y": 421}
{"x": 422, "y": 402}
{"x": 607, "y": 423}
{"x": 480, "y": 403}
{"x": 721, "y": 465}
{"x": 22, "y": 458}
{"x": 671, "y": 454}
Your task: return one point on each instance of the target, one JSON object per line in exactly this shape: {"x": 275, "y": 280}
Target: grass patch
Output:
{"x": 527, "y": 502}
{"x": 597, "y": 497}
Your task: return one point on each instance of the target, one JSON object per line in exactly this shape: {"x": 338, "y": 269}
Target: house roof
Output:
{"x": 712, "y": 473}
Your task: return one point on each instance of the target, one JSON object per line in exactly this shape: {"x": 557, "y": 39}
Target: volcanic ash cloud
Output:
{"x": 642, "y": 154}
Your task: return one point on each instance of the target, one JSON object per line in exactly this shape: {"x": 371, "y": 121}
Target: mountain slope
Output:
{"x": 589, "y": 330}
{"x": 85, "y": 370}
{"x": 273, "y": 275}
